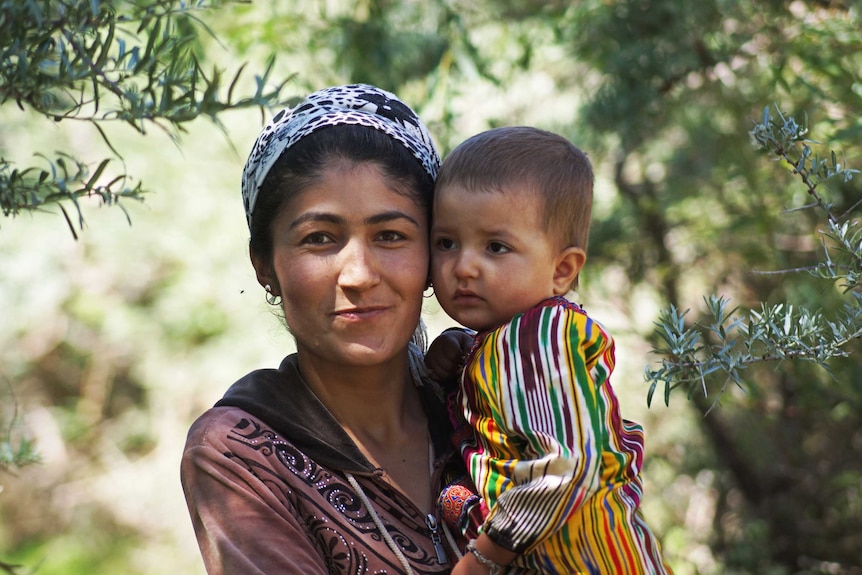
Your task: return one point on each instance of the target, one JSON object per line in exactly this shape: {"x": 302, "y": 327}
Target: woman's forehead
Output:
{"x": 353, "y": 190}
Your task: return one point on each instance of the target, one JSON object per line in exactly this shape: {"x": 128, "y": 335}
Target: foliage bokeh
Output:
{"x": 111, "y": 345}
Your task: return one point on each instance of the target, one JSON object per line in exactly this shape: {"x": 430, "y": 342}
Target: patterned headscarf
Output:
{"x": 355, "y": 104}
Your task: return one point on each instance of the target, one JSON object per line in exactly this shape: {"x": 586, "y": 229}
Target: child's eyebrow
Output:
{"x": 496, "y": 232}
{"x": 438, "y": 229}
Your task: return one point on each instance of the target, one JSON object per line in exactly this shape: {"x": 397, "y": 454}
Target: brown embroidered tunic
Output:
{"x": 266, "y": 475}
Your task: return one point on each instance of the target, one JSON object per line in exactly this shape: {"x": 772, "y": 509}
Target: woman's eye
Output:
{"x": 391, "y": 236}
{"x": 317, "y": 238}
{"x": 498, "y": 248}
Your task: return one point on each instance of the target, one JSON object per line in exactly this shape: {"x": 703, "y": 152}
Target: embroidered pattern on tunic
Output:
{"x": 334, "y": 516}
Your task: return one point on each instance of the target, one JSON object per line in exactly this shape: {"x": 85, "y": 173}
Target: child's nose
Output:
{"x": 465, "y": 265}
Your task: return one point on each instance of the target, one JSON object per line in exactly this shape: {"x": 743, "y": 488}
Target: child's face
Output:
{"x": 491, "y": 256}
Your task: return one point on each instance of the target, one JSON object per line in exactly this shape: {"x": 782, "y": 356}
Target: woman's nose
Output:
{"x": 358, "y": 266}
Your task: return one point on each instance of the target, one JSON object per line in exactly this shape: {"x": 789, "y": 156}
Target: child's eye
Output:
{"x": 445, "y": 244}
{"x": 498, "y": 248}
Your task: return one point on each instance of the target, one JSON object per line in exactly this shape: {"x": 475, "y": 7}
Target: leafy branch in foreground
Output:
{"x": 108, "y": 61}
{"x": 725, "y": 344}
{"x": 34, "y": 187}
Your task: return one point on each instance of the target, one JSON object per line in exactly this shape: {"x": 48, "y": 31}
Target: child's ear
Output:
{"x": 569, "y": 263}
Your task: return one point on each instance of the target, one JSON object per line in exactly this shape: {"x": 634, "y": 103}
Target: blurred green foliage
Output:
{"x": 702, "y": 352}
{"x": 98, "y": 61}
{"x": 15, "y": 451}
{"x": 117, "y": 341}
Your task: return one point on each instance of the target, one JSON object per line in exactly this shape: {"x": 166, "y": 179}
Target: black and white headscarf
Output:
{"x": 355, "y": 104}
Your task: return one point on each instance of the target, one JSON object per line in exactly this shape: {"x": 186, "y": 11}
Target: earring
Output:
{"x": 430, "y": 295}
{"x": 271, "y": 298}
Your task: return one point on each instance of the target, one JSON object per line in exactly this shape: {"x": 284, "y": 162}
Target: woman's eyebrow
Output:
{"x": 330, "y": 218}
{"x": 316, "y": 217}
{"x": 390, "y": 216}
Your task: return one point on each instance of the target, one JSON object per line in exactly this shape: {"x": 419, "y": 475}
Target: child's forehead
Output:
{"x": 495, "y": 207}
{"x": 520, "y": 191}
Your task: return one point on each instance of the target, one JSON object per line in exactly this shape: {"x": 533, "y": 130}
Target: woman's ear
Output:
{"x": 263, "y": 270}
{"x": 569, "y": 264}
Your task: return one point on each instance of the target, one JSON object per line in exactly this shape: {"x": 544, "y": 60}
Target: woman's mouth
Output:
{"x": 360, "y": 313}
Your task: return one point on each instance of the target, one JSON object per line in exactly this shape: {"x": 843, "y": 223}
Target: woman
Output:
{"x": 332, "y": 463}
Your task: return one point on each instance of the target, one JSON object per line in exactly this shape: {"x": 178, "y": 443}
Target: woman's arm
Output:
{"x": 241, "y": 524}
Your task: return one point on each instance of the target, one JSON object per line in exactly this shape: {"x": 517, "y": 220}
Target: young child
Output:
{"x": 553, "y": 460}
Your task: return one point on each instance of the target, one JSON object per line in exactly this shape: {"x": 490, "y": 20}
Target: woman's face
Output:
{"x": 350, "y": 259}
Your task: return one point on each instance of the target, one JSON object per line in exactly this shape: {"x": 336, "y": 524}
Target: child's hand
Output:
{"x": 445, "y": 356}
{"x": 469, "y": 564}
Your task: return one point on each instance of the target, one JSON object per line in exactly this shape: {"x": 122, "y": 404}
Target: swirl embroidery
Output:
{"x": 334, "y": 516}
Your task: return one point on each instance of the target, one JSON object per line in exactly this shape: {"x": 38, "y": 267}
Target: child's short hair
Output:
{"x": 542, "y": 162}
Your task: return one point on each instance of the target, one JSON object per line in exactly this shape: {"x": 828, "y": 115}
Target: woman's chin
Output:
{"x": 359, "y": 353}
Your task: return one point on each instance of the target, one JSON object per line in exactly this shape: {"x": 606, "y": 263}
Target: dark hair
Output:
{"x": 541, "y": 162}
{"x": 302, "y": 164}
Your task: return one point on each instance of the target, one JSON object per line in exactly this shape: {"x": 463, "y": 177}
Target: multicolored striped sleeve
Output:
{"x": 533, "y": 393}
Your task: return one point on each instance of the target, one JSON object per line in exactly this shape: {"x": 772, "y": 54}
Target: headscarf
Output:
{"x": 355, "y": 104}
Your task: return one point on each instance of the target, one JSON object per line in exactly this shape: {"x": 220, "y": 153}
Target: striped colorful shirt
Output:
{"x": 552, "y": 457}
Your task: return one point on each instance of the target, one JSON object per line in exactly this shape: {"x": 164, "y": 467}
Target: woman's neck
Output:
{"x": 380, "y": 409}
{"x": 371, "y": 402}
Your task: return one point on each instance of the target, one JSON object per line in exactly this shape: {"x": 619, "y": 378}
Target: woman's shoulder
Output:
{"x": 231, "y": 442}
{"x": 249, "y": 401}
{"x": 230, "y": 438}
{"x": 214, "y": 426}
